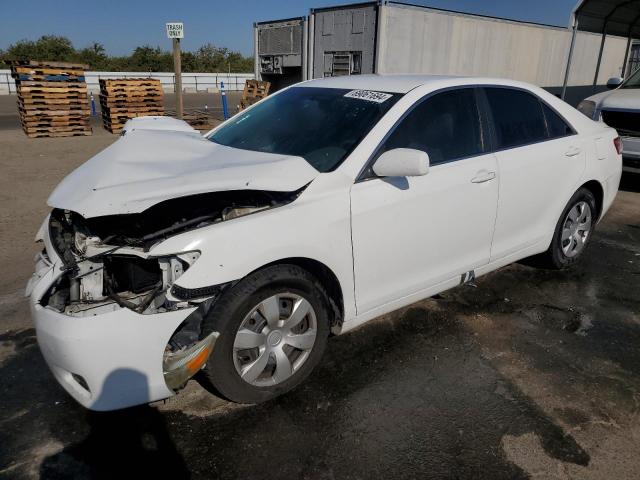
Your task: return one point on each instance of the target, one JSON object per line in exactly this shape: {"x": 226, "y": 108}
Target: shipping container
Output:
{"x": 281, "y": 47}
{"x": 393, "y": 37}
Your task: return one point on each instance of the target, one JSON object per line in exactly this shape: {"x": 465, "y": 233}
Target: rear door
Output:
{"x": 414, "y": 233}
{"x": 540, "y": 160}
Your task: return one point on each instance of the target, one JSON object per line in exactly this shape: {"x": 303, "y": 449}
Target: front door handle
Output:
{"x": 483, "y": 176}
{"x": 572, "y": 152}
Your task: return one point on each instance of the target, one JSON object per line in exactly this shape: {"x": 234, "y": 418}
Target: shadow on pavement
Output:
{"x": 132, "y": 443}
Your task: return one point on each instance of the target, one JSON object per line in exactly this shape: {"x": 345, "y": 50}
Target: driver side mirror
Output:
{"x": 614, "y": 82}
{"x": 402, "y": 162}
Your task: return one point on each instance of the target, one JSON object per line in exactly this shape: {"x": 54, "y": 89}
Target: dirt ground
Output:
{"x": 533, "y": 374}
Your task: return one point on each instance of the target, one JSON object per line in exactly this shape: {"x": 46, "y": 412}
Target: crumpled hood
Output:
{"x": 146, "y": 167}
{"x": 619, "y": 99}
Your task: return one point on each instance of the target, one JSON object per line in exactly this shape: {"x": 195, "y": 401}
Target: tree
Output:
{"x": 146, "y": 58}
{"x": 95, "y": 56}
{"x": 49, "y": 47}
{"x": 98, "y": 49}
{"x": 150, "y": 59}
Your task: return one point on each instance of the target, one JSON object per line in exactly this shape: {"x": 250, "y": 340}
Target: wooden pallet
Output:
{"x": 32, "y": 97}
{"x": 254, "y": 91}
{"x": 148, "y": 92}
{"x": 55, "y": 84}
{"x": 132, "y": 105}
{"x": 54, "y": 113}
{"x": 23, "y": 78}
{"x": 46, "y": 102}
{"x": 127, "y": 109}
{"x": 47, "y": 70}
{"x": 56, "y": 129}
{"x": 57, "y": 120}
{"x": 142, "y": 99}
{"x": 54, "y": 90}
{"x": 127, "y": 82}
{"x": 59, "y": 134}
{"x": 136, "y": 98}
{"x": 55, "y": 103}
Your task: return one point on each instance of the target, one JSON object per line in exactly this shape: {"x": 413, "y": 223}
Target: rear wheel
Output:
{"x": 573, "y": 230}
{"x": 273, "y": 329}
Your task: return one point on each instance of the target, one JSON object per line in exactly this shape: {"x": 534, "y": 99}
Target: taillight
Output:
{"x": 617, "y": 142}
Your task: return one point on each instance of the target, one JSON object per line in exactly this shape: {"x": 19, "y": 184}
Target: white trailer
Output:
{"x": 393, "y": 37}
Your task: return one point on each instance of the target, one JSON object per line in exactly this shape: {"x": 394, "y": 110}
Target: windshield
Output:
{"x": 633, "y": 81}
{"x": 321, "y": 125}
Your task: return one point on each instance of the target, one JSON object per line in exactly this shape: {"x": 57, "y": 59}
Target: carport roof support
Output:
{"x": 606, "y": 17}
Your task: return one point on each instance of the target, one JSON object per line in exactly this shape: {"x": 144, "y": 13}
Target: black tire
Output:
{"x": 228, "y": 313}
{"x": 554, "y": 257}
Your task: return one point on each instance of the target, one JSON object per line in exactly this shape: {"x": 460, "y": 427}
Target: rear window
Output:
{"x": 517, "y": 116}
{"x": 556, "y": 124}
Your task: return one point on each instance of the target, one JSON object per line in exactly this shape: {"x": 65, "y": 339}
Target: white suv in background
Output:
{"x": 620, "y": 109}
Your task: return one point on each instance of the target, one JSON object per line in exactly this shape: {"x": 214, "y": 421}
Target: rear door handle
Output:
{"x": 572, "y": 152}
{"x": 483, "y": 176}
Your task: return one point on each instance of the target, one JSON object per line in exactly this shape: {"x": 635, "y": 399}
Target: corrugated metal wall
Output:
{"x": 342, "y": 30}
{"x": 419, "y": 40}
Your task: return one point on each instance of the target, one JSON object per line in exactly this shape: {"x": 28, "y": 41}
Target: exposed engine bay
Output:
{"x": 106, "y": 260}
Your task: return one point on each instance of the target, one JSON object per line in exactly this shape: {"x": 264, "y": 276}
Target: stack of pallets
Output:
{"x": 52, "y": 98}
{"x": 254, "y": 91}
{"x": 122, "y": 99}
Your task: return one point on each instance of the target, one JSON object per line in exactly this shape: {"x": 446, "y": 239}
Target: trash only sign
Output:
{"x": 175, "y": 30}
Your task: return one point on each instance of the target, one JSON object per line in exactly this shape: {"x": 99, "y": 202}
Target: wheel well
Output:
{"x": 598, "y": 192}
{"x": 326, "y": 277}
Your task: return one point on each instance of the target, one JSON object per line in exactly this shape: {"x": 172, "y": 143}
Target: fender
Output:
{"x": 233, "y": 249}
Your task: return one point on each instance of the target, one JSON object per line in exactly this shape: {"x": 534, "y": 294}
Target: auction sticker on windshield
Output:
{"x": 369, "y": 95}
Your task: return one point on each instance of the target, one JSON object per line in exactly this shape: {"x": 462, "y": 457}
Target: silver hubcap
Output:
{"x": 275, "y": 339}
{"x": 576, "y": 229}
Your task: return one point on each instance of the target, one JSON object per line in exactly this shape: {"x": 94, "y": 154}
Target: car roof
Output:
{"x": 402, "y": 83}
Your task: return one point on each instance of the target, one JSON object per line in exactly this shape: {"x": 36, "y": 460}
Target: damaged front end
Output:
{"x": 107, "y": 265}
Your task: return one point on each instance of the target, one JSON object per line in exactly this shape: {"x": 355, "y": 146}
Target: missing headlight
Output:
{"x": 132, "y": 274}
{"x": 104, "y": 283}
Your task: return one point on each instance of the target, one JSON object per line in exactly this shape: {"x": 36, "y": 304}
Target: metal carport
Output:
{"x": 606, "y": 17}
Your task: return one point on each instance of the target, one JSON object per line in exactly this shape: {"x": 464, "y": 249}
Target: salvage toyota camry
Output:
{"x": 236, "y": 254}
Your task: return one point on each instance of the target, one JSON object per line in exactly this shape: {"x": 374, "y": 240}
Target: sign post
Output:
{"x": 175, "y": 31}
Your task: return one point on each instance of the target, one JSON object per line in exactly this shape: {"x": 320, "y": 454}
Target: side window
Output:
{"x": 517, "y": 117}
{"x": 555, "y": 124}
{"x": 446, "y": 126}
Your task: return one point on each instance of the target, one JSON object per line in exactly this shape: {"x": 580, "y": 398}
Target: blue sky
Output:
{"x": 122, "y": 25}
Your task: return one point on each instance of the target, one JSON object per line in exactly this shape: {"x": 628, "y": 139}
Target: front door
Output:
{"x": 410, "y": 234}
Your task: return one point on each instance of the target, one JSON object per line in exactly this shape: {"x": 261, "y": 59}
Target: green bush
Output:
{"x": 146, "y": 58}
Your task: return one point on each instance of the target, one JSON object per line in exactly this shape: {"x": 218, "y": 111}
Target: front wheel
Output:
{"x": 573, "y": 230}
{"x": 273, "y": 327}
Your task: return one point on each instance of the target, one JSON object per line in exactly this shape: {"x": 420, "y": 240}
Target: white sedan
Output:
{"x": 330, "y": 203}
